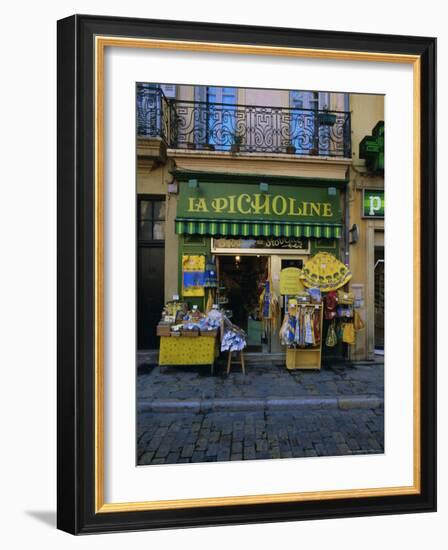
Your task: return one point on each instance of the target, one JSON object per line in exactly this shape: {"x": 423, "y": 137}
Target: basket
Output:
{"x": 213, "y": 332}
{"x": 190, "y": 333}
{"x": 163, "y": 330}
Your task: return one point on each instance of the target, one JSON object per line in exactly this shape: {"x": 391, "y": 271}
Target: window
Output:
{"x": 302, "y": 127}
{"x": 216, "y": 120}
{"x": 308, "y": 134}
{"x": 149, "y": 110}
{"x": 151, "y": 219}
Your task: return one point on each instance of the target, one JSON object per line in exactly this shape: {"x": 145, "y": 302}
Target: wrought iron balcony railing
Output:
{"x": 242, "y": 128}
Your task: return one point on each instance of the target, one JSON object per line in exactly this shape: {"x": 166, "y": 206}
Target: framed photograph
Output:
{"x": 246, "y": 274}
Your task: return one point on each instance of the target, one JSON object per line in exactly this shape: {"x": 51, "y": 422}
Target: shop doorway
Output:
{"x": 150, "y": 294}
{"x": 379, "y": 300}
{"x": 241, "y": 281}
{"x": 150, "y": 268}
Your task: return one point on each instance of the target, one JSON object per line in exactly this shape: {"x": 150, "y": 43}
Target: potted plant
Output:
{"x": 290, "y": 148}
{"x": 325, "y": 118}
{"x": 236, "y": 144}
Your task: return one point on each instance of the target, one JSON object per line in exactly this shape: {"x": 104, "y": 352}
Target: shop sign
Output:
{"x": 265, "y": 245}
{"x": 246, "y": 202}
{"x": 373, "y": 203}
{"x": 290, "y": 283}
{"x": 268, "y": 242}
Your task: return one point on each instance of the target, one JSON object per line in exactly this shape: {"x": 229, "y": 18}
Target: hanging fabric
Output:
{"x": 332, "y": 338}
{"x": 269, "y": 305}
{"x": 330, "y": 301}
{"x": 301, "y": 325}
{"x": 211, "y": 277}
{"x": 348, "y": 333}
{"x": 347, "y": 298}
{"x": 326, "y": 272}
{"x": 210, "y": 300}
{"x": 358, "y": 323}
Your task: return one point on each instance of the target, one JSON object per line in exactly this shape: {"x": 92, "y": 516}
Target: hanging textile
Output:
{"x": 193, "y": 274}
{"x": 269, "y": 305}
{"x": 233, "y": 338}
{"x": 326, "y": 272}
{"x": 301, "y": 325}
{"x": 330, "y": 301}
{"x": 332, "y": 338}
{"x": 358, "y": 323}
{"x": 210, "y": 300}
{"x": 211, "y": 277}
{"x": 348, "y": 333}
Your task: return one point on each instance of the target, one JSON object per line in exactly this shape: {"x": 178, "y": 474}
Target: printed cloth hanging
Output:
{"x": 301, "y": 325}
{"x": 210, "y": 278}
{"x": 193, "y": 274}
{"x": 269, "y": 305}
{"x": 233, "y": 338}
{"x": 233, "y": 341}
{"x": 210, "y": 300}
{"x": 348, "y": 333}
{"x": 358, "y": 323}
{"x": 326, "y": 272}
{"x": 330, "y": 300}
{"x": 332, "y": 338}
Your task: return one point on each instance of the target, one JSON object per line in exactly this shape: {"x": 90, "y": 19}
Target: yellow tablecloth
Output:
{"x": 186, "y": 350}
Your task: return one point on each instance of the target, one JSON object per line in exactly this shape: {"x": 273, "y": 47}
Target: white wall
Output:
{"x": 28, "y": 274}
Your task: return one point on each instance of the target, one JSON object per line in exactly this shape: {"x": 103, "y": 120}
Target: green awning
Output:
{"x": 232, "y": 228}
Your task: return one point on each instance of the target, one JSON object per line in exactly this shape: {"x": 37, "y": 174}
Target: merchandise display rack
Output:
{"x": 306, "y": 357}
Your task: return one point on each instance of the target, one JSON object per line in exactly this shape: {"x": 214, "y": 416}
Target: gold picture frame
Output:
{"x": 95, "y": 35}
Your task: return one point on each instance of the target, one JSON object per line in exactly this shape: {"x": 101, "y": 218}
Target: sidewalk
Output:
{"x": 186, "y": 415}
{"x": 264, "y": 386}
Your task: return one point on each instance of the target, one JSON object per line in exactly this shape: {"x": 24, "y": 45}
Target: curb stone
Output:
{"x": 258, "y": 404}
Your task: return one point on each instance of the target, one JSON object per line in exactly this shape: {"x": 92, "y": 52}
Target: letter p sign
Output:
{"x": 375, "y": 205}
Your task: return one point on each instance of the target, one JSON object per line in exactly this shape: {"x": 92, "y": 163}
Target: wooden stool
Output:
{"x": 241, "y": 362}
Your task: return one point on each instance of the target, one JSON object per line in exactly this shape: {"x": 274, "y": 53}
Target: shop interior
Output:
{"x": 241, "y": 280}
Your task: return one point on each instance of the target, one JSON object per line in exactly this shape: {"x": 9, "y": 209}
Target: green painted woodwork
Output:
{"x": 229, "y": 228}
{"x": 238, "y": 210}
{"x": 256, "y": 179}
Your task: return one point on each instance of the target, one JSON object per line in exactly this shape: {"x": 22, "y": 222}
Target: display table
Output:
{"x": 188, "y": 350}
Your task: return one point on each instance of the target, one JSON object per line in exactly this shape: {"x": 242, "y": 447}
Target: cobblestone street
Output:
{"x": 170, "y": 438}
{"x": 186, "y": 415}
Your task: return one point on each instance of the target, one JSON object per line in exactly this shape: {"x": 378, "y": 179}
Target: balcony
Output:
{"x": 204, "y": 126}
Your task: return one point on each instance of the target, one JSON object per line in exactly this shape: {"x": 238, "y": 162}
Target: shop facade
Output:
{"x": 278, "y": 215}
{"x": 251, "y": 230}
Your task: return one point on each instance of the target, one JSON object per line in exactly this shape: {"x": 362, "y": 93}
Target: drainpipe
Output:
{"x": 346, "y": 250}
